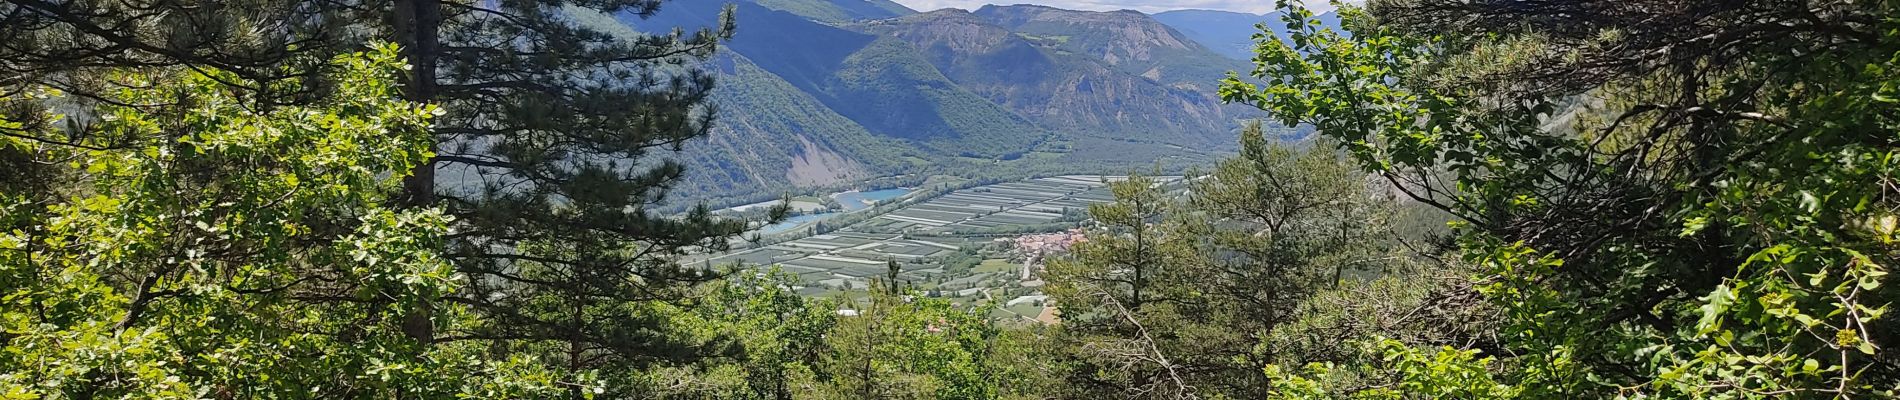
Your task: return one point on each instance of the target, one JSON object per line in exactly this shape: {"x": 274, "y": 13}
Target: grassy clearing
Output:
{"x": 995, "y": 265}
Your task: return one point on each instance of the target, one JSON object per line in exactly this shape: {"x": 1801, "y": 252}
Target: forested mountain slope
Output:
{"x": 845, "y": 90}
{"x": 1128, "y": 41}
{"x": 1071, "y": 92}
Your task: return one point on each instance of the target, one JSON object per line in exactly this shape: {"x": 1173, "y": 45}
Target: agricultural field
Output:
{"x": 947, "y": 243}
{"x": 1035, "y": 201}
{"x": 955, "y": 245}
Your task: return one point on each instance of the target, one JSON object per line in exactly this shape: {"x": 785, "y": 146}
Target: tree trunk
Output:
{"x": 575, "y": 347}
{"x": 417, "y": 25}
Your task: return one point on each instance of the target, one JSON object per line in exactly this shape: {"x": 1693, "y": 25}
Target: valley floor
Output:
{"x": 961, "y": 244}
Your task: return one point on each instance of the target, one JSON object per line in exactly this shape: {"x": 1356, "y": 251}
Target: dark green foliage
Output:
{"x": 781, "y": 337}
{"x": 545, "y": 144}
{"x": 1655, "y": 199}
{"x": 1672, "y": 200}
{"x": 915, "y": 348}
{"x": 892, "y": 344}
{"x": 75, "y": 46}
{"x": 1193, "y": 297}
{"x": 556, "y": 120}
{"x": 202, "y": 248}
{"x": 960, "y": 263}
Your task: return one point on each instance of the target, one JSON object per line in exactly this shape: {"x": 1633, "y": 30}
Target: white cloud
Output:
{"x": 1147, "y": 6}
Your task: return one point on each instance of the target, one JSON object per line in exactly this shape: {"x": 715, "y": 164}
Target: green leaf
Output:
{"x": 1693, "y": 225}
{"x": 1713, "y": 306}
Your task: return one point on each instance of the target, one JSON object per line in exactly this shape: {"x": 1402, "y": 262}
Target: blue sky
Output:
{"x": 1148, "y": 6}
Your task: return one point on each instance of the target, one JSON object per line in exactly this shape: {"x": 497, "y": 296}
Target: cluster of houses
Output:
{"x": 1037, "y": 247}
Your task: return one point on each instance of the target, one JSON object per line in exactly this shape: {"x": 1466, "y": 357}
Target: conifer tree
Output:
{"x": 549, "y": 155}
{"x": 1115, "y": 291}
{"x": 1188, "y": 294}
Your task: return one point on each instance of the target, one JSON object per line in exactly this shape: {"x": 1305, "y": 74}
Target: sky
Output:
{"x": 1147, "y": 6}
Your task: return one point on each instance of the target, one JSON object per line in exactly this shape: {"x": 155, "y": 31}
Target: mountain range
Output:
{"x": 832, "y": 93}
{"x": 1231, "y": 33}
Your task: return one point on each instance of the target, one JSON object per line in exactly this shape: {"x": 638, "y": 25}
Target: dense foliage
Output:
{"x": 1259, "y": 262}
{"x": 536, "y": 159}
{"x": 1652, "y": 199}
{"x": 215, "y": 250}
{"x": 1674, "y": 199}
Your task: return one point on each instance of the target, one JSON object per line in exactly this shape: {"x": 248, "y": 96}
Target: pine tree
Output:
{"x": 890, "y": 276}
{"x": 1114, "y": 295}
{"x": 1273, "y": 227}
{"x": 549, "y": 154}
{"x": 1183, "y": 296}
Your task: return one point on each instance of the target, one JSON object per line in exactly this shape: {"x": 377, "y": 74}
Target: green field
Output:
{"x": 935, "y": 241}
{"x": 996, "y": 265}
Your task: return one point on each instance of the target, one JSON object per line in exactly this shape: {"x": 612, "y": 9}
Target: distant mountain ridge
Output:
{"x": 838, "y": 11}
{"x": 1065, "y": 87}
{"x": 828, "y": 93}
{"x": 1226, "y": 32}
{"x": 1231, "y": 33}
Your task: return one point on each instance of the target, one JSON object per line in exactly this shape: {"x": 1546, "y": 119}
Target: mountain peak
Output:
{"x": 958, "y": 29}
{"x": 1130, "y": 40}
{"x": 861, "y": 96}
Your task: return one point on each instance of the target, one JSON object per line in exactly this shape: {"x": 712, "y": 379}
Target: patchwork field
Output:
{"x": 1029, "y": 202}
{"x": 944, "y": 244}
